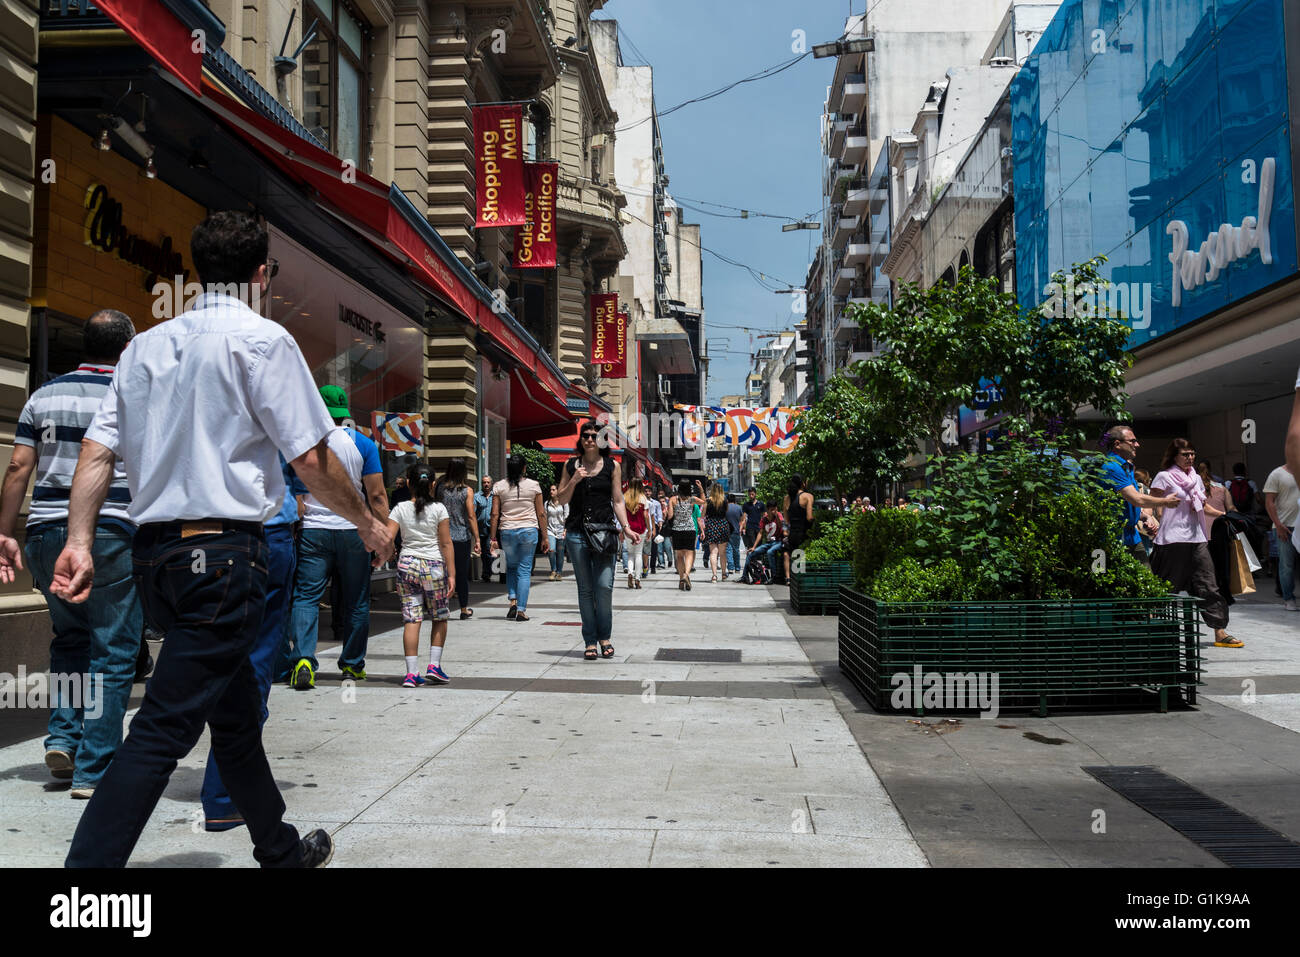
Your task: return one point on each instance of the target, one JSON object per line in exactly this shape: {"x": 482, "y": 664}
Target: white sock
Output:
{"x": 435, "y": 656}
{"x": 411, "y": 664}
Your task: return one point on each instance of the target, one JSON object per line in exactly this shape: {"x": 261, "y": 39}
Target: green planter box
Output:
{"x": 1028, "y": 656}
{"x": 816, "y": 589}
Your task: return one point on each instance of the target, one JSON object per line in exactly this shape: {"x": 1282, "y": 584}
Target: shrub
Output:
{"x": 884, "y": 535}
{"x": 540, "y": 468}
{"x": 834, "y": 541}
{"x": 907, "y": 580}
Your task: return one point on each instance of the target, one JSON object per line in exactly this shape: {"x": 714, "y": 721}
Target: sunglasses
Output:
{"x": 588, "y": 435}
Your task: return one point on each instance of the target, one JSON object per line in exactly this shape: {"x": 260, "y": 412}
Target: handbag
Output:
{"x": 1240, "y": 580}
{"x": 602, "y": 537}
{"x": 1252, "y": 562}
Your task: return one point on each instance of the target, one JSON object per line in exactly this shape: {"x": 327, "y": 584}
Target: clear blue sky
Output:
{"x": 755, "y": 147}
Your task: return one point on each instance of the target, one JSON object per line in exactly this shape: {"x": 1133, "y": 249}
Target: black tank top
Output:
{"x": 798, "y": 518}
{"x": 592, "y": 498}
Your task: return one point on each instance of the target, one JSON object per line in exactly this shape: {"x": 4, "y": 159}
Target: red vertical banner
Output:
{"x": 604, "y": 326}
{"x": 616, "y": 368}
{"x": 499, "y": 165}
{"x": 535, "y": 240}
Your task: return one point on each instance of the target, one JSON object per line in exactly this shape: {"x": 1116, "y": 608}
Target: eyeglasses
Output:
{"x": 272, "y": 267}
{"x": 1190, "y": 455}
{"x": 589, "y": 435}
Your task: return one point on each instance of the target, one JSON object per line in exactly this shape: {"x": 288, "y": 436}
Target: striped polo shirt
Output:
{"x": 53, "y": 422}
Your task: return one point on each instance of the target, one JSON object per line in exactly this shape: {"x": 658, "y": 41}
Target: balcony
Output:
{"x": 845, "y": 328}
{"x": 844, "y": 281}
{"x": 857, "y": 197}
{"x": 839, "y": 129}
{"x": 856, "y": 253}
{"x": 855, "y": 148}
{"x": 854, "y": 97}
{"x": 845, "y": 227}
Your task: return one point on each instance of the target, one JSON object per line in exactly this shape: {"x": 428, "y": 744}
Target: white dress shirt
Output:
{"x": 199, "y": 406}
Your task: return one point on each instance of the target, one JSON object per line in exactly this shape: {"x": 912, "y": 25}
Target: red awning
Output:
{"x": 168, "y": 40}
{"x": 365, "y": 204}
{"x": 536, "y": 414}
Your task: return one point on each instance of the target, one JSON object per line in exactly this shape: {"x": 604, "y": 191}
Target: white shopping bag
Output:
{"x": 1251, "y": 561}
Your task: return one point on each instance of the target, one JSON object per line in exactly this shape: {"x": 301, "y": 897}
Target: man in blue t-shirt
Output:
{"x": 753, "y": 523}
{"x": 1121, "y": 446}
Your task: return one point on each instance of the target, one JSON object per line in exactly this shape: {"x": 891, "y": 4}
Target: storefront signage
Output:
{"x": 498, "y": 153}
{"x": 617, "y": 367}
{"x": 535, "y": 240}
{"x": 360, "y": 323}
{"x": 1192, "y": 268}
{"x": 604, "y": 327}
{"x": 104, "y": 231}
{"x": 399, "y": 431}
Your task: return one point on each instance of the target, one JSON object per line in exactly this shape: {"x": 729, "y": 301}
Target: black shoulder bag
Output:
{"x": 602, "y": 537}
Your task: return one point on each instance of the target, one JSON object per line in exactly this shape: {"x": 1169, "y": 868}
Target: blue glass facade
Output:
{"x": 1140, "y": 128}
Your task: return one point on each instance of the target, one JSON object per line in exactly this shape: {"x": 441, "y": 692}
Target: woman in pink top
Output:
{"x": 1182, "y": 555}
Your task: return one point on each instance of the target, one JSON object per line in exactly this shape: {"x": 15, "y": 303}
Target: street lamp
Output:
{"x": 791, "y": 227}
{"x": 841, "y": 47}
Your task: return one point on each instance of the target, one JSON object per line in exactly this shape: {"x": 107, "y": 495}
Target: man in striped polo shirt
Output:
{"x": 93, "y": 654}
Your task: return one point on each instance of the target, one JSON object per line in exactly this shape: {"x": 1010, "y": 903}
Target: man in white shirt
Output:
{"x": 329, "y": 546}
{"x": 197, "y": 409}
{"x": 1282, "y": 500}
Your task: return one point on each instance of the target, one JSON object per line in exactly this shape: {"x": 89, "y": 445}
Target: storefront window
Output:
{"x": 351, "y": 339}
{"x": 333, "y": 79}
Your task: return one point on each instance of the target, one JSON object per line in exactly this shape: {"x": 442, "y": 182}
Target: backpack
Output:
{"x": 759, "y": 573}
{"x": 1243, "y": 496}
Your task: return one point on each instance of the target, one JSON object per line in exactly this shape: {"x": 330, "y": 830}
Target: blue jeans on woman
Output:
{"x": 557, "y": 552}
{"x": 519, "y": 545}
{"x": 595, "y": 577}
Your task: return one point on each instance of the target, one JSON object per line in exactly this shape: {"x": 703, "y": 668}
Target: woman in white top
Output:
{"x": 556, "y": 516}
{"x": 1181, "y": 554}
{"x": 426, "y": 573}
{"x": 517, "y": 522}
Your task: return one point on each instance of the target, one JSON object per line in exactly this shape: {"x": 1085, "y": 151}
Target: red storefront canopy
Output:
{"x": 158, "y": 30}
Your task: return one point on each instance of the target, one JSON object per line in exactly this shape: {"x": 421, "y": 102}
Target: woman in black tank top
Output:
{"x": 798, "y": 513}
{"x": 592, "y": 488}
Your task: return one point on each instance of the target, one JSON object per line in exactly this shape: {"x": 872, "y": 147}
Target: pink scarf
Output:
{"x": 1188, "y": 486}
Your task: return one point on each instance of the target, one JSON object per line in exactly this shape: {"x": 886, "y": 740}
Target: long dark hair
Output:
{"x": 515, "y": 467}
{"x": 794, "y": 487}
{"x": 684, "y": 488}
{"x": 603, "y": 447}
{"x": 453, "y": 478}
{"x": 1171, "y": 453}
{"x": 417, "y": 477}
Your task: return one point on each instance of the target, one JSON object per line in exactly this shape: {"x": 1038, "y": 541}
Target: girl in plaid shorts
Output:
{"x": 426, "y": 574}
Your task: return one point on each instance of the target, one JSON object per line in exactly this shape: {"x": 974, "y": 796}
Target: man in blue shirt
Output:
{"x": 483, "y": 515}
{"x": 1121, "y": 446}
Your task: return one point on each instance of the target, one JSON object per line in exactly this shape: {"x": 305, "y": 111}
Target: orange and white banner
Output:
{"x": 604, "y": 328}
{"x": 535, "y": 240}
{"x": 499, "y": 165}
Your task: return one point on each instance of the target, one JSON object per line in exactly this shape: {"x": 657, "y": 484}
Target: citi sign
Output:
{"x": 1195, "y": 267}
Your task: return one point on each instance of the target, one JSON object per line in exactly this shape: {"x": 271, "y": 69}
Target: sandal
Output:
{"x": 688, "y": 584}
{"x": 514, "y": 610}
{"x": 521, "y": 617}
{"x": 607, "y": 650}
{"x": 589, "y": 654}
{"x": 466, "y": 613}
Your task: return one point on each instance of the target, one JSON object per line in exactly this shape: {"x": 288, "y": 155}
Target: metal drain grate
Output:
{"x": 717, "y": 655}
{"x": 1233, "y": 837}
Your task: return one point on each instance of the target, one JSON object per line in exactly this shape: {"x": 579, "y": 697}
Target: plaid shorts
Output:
{"x": 422, "y": 584}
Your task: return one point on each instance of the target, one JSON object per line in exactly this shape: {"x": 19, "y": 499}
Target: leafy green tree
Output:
{"x": 777, "y": 469}
{"x": 848, "y": 440}
{"x": 539, "y": 467}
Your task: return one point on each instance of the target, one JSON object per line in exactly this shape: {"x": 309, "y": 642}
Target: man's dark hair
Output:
{"x": 1239, "y": 468}
{"x": 1111, "y": 436}
{"x": 228, "y": 247}
{"x": 105, "y": 335}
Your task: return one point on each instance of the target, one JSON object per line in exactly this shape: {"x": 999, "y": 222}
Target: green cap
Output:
{"x": 336, "y": 401}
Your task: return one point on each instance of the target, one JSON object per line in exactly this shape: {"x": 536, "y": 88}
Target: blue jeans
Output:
{"x": 733, "y": 552}
{"x": 595, "y": 577}
{"x": 211, "y": 614}
{"x": 519, "y": 545}
{"x": 1286, "y": 561}
{"x": 97, "y": 640}
{"x": 666, "y": 550}
{"x": 322, "y": 552}
{"x": 557, "y": 552}
{"x": 267, "y": 656}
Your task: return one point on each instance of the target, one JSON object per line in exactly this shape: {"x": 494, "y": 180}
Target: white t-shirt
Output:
{"x": 1282, "y": 483}
{"x": 316, "y": 515}
{"x": 556, "y": 516}
{"x": 420, "y": 533}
